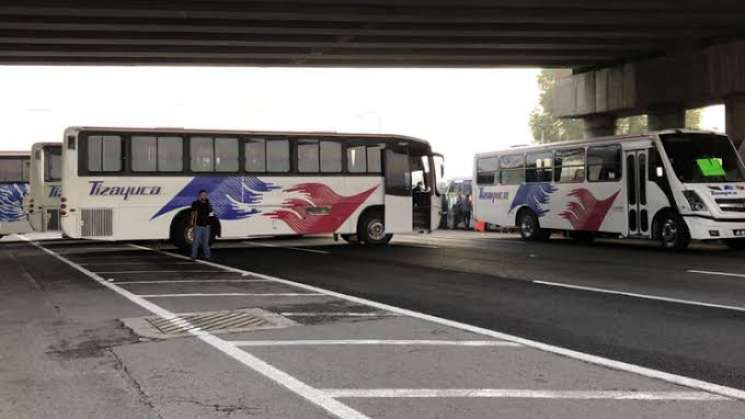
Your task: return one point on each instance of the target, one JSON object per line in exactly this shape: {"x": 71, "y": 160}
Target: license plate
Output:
{"x": 739, "y": 233}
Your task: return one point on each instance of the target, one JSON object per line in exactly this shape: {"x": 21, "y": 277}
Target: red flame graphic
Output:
{"x": 587, "y": 212}
{"x": 333, "y": 209}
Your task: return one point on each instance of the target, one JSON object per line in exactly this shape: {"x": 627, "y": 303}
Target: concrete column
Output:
{"x": 667, "y": 118}
{"x": 735, "y": 118}
{"x": 601, "y": 125}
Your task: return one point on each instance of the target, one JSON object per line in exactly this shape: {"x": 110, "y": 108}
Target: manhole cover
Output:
{"x": 213, "y": 321}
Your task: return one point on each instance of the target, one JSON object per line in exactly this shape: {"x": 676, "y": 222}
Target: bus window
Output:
{"x": 307, "y": 156}
{"x": 157, "y": 154}
{"x": 486, "y": 170}
{"x": 569, "y": 165}
{"x": 397, "y": 174}
{"x": 539, "y": 167}
{"x": 330, "y": 157}
{"x": 170, "y": 154}
{"x": 255, "y": 155}
{"x": 604, "y": 163}
{"x": 202, "y": 154}
{"x": 12, "y": 170}
{"x": 374, "y": 159}
{"x": 53, "y": 164}
{"x": 104, "y": 153}
{"x": 278, "y": 156}
{"x": 512, "y": 169}
{"x": 356, "y": 159}
{"x": 226, "y": 155}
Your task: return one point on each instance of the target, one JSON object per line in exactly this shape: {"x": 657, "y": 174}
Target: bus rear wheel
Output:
{"x": 371, "y": 230}
{"x": 674, "y": 233}
{"x": 530, "y": 228}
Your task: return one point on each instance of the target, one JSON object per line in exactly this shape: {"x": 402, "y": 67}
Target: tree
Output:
{"x": 545, "y": 126}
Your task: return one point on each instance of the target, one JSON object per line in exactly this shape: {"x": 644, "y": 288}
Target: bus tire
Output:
{"x": 530, "y": 227}
{"x": 735, "y": 244}
{"x": 674, "y": 234}
{"x": 182, "y": 235}
{"x": 371, "y": 230}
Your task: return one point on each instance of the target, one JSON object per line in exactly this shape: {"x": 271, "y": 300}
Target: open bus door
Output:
{"x": 399, "y": 205}
{"x": 438, "y": 190}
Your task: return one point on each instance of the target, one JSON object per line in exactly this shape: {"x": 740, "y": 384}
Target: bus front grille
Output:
{"x": 731, "y": 204}
{"x": 97, "y": 222}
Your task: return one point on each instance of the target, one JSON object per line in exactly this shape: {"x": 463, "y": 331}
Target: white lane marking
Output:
{"x": 419, "y": 245}
{"x": 373, "y": 342}
{"x": 298, "y": 387}
{"x": 234, "y": 294}
{"x": 525, "y": 394}
{"x": 152, "y": 272}
{"x": 190, "y": 281}
{"x": 569, "y": 353}
{"x": 643, "y": 296}
{"x": 300, "y": 249}
{"x": 338, "y": 314}
{"x": 131, "y": 263}
{"x": 693, "y": 271}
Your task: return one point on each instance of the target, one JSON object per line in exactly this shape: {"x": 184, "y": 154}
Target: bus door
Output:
{"x": 636, "y": 193}
{"x": 399, "y": 206}
{"x": 440, "y": 188}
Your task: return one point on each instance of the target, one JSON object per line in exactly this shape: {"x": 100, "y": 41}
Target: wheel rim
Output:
{"x": 376, "y": 230}
{"x": 669, "y": 233}
{"x": 527, "y": 227}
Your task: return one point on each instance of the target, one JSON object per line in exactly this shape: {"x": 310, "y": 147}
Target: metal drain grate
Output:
{"x": 208, "y": 322}
{"x": 213, "y": 322}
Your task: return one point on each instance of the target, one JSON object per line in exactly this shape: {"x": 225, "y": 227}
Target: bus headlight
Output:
{"x": 694, "y": 201}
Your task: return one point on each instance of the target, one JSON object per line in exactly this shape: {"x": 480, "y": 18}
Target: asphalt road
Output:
{"x": 488, "y": 281}
{"x": 76, "y": 339}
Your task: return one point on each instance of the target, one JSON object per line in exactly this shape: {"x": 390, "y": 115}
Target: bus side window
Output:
{"x": 604, "y": 163}
{"x": 539, "y": 167}
{"x": 487, "y": 170}
{"x": 104, "y": 153}
{"x": 512, "y": 169}
{"x": 569, "y": 165}
{"x": 278, "y": 156}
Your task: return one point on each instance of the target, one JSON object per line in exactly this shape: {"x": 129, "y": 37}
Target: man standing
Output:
{"x": 200, "y": 222}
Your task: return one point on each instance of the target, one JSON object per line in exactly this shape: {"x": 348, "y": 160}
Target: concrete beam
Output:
{"x": 599, "y": 125}
{"x": 688, "y": 80}
{"x": 667, "y": 118}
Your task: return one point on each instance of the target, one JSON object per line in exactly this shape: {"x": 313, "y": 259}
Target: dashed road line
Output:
{"x": 524, "y": 394}
{"x": 234, "y": 294}
{"x": 569, "y": 353}
{"x": 335, "y": 314}
{"x": 299, "y": 249}
{"x": 191, "y": 281}
{"x": 642, "y": 296}
{"x": 378, "y": 342}
{"x": 315, "y": 396}
{"x": 693, "y": 271}
{"x": 151, "y": 272}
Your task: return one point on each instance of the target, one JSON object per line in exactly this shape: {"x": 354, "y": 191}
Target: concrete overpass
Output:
{"x": 628, "y": 56}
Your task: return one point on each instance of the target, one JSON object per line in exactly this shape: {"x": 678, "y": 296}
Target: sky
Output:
{"x": 459, "y": 111}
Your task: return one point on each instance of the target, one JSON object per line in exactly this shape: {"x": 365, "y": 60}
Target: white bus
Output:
{"x": 46, "y": 186}
{"x": 671, "y": 186}
{"x": 14, "y": 177}
{"x": 133, "y": 184}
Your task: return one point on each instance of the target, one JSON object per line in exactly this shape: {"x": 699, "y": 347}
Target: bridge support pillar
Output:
{"x": 601, "y": 125}
{"x": 667, "y": 118}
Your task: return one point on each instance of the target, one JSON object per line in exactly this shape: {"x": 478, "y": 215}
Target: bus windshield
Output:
{"x": 701, "y": 158}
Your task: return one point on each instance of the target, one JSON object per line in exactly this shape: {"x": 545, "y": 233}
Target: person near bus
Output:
{"x": 467, "y": 208}
{"x": 201, "y": 210}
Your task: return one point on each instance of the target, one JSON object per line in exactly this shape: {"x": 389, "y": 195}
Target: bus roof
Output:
{"x": 257, "y": 133}
{"x": 595, "y": 141}
{"x": 46, "y": 144}
{"x": 14, "y": 154}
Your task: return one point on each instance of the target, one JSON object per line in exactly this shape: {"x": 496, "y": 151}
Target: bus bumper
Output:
{"x": 712, "y": 229}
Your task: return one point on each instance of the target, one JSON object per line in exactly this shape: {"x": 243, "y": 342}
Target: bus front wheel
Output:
{"x": 371, "y": 230}
{"x": 182, "y": 233}
{"x": 674, "y": 233}
{"x": 530, "y": 228}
